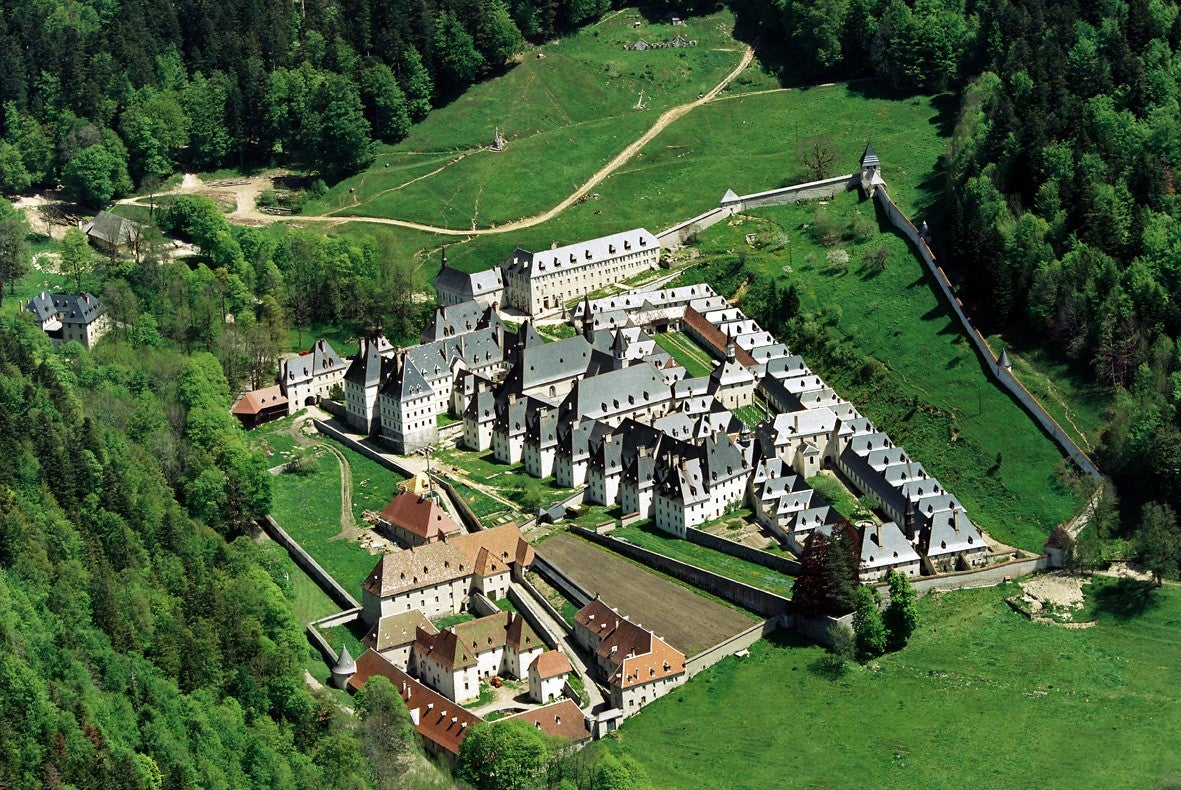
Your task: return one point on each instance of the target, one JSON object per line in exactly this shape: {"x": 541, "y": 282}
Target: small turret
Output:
{"x": 344, "y": 668}
{"x": 871, "y": 170}
{"x": 1004, "y": 361}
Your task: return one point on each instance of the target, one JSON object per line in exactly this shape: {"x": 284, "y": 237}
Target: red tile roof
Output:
{"x": 634, "y": 654}
{"x": 439, "y": 720}
{"x": 561, "y": 718}
{"x": 551, "y": 664}
{"x": 255, "y": 401}
{"x": 714, "y": 336}
{"x": 421, "y": 516}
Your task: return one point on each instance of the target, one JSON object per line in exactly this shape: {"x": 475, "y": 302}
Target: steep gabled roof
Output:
{"x": 551, "y": 664}
{"x": 437, "y": 719}
{"x": 420, "y": 515}
{"x": 584, "y": 253}
{"x": 113, "y": 229}
{"x": 397, "y": 630}
{"x": 256, "y": 401}
{"x": 562, "y": 718}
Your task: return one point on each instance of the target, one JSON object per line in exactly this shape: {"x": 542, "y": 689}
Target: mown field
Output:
{"x": 982, "y": 697}
{"x": 933, "y": 395}
{"x": 308, "y": 506}
{"x": 682, "y": 616}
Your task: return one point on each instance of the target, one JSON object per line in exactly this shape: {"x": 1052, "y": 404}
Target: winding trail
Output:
{"x": 246, "y": 192}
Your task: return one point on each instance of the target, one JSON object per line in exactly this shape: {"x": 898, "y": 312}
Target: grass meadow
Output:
{"x": 938, "y": 402}
{"x": 982, "y": 697}
{"x": 574, "y": 108}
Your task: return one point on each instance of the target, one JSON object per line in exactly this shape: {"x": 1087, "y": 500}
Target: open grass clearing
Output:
{"x": 308, "y": 507}
{"x": 690, "y": 356}
{"x": 982, "y": 697}
{"x": 574, "y": 109}
{"x": 931, "y": 394}
{"x": 837, "y": 494}
{"x": 508, "y": 481}
{"x": 685, "y": 618}
{"x": 649, "y": 537}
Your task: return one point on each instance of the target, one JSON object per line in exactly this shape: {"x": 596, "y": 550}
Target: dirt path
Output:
{"x": 244, "y": 192}
{"x": 348, "y": 526}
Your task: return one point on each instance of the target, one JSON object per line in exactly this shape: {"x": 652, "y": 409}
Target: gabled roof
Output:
{"x": 420, "y": 515}
{"x": 407, "y": 382}
{"x": 714, "y": 337}
{"x": 607, "y": 394}
{"x": 437, "y": 719}
{"x": 321, "y": 358}
{"x": 113, "y": 229}
{"x": 366, "y": 367}
{"x": 446, "y": 560}
{"x": 255, "y": 401}
{"x": 397, "y": 630}
{"x": 69, "y": 308}
{"x": 551, "y": 664}
{"x": 885, "y": 545}
{"x": 585, "y": 253}
{"x": 461, "y": 645}
{"x": 561, "y": 718}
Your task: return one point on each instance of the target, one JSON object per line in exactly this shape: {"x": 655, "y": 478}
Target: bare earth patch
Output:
{"x": 1054, "y": 596}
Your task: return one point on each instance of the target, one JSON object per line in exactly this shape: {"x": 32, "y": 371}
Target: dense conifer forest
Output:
{"x": 1061, "y": 218}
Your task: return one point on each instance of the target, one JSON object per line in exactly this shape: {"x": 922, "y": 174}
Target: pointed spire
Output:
{"x": 1004, "y": 361}
{"x": 444, "y": 256}
{"x": 730, "y": 352}
{"x": 870, "y": 157}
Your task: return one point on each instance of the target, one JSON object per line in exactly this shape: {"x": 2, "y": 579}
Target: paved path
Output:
{"x": 573, "y": 651}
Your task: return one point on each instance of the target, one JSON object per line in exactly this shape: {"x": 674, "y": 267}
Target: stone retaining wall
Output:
{"x": 312, "y": 568}
{"x": 1004, "y": 377}
{"x": 752, "y": 598}
{"x": 784, "y": 565}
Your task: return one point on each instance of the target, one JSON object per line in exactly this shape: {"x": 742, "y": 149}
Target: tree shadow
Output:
{"x": 1127, "y": 598}
{"x": 830, "y": 668}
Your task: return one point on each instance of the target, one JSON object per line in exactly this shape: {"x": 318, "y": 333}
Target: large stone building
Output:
{"x": 438, "y": 578}
{"x": 638, "y": 666}
{"x": 311, "y": 376}
{"x": 453, "y": 286}
{"x": 67, "y": 317}
{"x": 538, "y": 282}
{"x": 455, "y": 660}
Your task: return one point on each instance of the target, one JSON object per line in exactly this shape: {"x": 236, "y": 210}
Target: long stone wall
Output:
{"x": 332, "y": 431}
{"x": 775, "y": 562}
{"x": 756, "y": 600}
{"x": 984, "y": 577}
{"x": 1004, "y": 377}
{"x": 304, "y": 560}
{"x": 560, "y": 581}
{"x": 712, "y": 655}
{"x": 812, "y": 190}
{"x": 677, "y": 235}
{"x": 552, "y": 640}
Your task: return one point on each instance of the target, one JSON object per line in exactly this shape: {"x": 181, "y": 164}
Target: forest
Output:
{"x": 1060, "y": 218}
{"x": 107, "y": 95}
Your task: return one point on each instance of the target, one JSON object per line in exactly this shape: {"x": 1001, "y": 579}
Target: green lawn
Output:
{"x": 308, "y": 507}
{"x": 509, "y": 481}
{"x": 750, "y": 415}
{"x": 573, "y": 109}
{"x": 649, "y": 537}
{"x": 1072, "y": 397}
{"x": 308, "y": 601}
{"x": 915, "y": 374}
{"x": 982, "y": 697}
{"x": 837, "y": 495}
{"x": 682, "y": 348}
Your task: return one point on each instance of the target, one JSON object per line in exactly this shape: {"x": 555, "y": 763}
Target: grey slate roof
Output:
{"x": 469, "y": 284}
{"x": 885, "y": 545}
{"x": 610, "y": 393}
{"x": 457, "y": 319}
{"x": 69, "y": 308}
{"x": 549, "y": 363}
{"x": 365, "y": 369}
{"x": 298, "y": 369}
{"x": 113, "y": 229}
{"x": 870, "y": 157}
{"x": 583, "y": 253}
{"x": 406, "y": 383}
